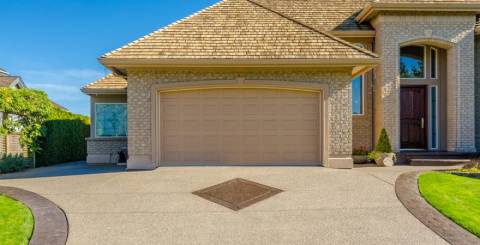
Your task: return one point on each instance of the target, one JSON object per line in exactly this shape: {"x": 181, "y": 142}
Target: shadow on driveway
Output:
{"x": 66, "y": 169}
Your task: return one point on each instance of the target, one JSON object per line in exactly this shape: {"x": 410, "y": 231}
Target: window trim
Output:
{"x": 95, "y": 119}
{"x": 424, "y": 63}
{"x": 436, "y": 63}
{"x": 362, "y": 95}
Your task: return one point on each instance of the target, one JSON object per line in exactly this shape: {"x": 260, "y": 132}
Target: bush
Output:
{"x": 383, "y": 144}
{"x": 49, "y": 133}
{"x": 64, "y": 141}
{"x": 13, "y": 163}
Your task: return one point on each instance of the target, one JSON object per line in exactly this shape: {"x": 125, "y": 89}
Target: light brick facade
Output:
{"x": 141, "y": 83}
{"x": 477, "y": 91}
{"x": 392, "y": 31}
{"x": 101, "y": 150}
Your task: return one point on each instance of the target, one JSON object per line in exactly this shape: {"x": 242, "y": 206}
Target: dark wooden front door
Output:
{"x": 413, "y": 117}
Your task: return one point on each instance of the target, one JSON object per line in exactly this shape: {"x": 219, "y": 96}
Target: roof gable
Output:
{"x": 238, "y": 29}
{"x": 107, "y": 84}
{"x": 11, "y": 81}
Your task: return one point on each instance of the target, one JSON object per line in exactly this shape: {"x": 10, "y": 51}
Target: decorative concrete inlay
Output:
{"x": 50, "y": 222}
{"x": 407, "y": 191}
{"x": 237, "y": 194}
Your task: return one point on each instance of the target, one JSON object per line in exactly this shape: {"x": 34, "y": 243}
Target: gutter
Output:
{"x": 372, "y": 9}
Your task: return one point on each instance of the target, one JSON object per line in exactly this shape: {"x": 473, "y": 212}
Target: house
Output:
{"x": 6, "y": 80}
{"x": 292, "y": 82}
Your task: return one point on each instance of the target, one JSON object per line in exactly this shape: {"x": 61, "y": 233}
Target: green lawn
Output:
{"x": 16, "y": 222}
{"x": 456, "y": 197}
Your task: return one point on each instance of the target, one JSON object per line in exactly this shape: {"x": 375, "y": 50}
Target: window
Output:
{"x": 433, "y": 62}
{"x": 434, "y": 117}
{"x": 412, "y": 62}
{"x": 110, "y": 119}
{"x": 357, "y": 96}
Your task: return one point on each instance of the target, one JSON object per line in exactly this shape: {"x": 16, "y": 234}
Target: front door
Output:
{"x": 413, "y": 117}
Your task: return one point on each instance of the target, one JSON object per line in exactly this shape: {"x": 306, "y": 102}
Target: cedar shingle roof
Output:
{"x": 427, "y": 1}
{"x": 109, "y": 83}
{"x": 326, "y": 15}
{"x": 241, "y": 29}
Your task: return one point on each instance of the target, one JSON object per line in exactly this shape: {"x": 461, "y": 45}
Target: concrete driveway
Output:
{"x": 106, "y": 205}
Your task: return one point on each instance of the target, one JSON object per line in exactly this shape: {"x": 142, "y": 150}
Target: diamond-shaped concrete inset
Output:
{"x": 237, "y": 194}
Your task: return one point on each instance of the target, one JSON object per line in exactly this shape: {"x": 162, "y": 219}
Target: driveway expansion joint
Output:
{"x": 50, "y": 221}
{"x": 406, "y": 188}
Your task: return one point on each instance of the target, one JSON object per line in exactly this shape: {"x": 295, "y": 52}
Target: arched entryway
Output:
{"x": 424, "y": 81}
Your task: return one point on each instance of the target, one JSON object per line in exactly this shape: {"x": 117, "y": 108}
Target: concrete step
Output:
{"x": 437, "y": 162}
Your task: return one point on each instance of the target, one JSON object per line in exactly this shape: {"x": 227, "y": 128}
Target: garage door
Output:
{"x": 240, "y": 126}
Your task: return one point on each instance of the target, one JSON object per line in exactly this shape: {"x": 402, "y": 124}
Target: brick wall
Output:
{"x": 140, "y": 89}
{"x": 362, "y": 125}
{"x": 477, "y": 91}
{"x": 393, "y": 30}
{"x": 105, "y": 146}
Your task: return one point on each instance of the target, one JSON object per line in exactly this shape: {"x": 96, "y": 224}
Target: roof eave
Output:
{"x": 108, "y": 91}
{"x": 354, "y": 33}
{"x": 121, "y": 63}
{"x": 374, "y": 8}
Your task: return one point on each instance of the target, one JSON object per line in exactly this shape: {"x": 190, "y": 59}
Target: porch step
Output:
{"x": 437, "y": 162}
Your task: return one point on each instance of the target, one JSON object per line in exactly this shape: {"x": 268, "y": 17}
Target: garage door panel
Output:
{"x": 239, "y": 126}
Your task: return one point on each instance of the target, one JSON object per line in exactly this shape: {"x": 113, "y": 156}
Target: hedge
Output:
{"x": 64, "y": 141}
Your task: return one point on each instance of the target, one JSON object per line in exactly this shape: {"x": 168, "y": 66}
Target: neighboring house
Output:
{"x": 10, "y": 81}
{"x": 269, "y": 82}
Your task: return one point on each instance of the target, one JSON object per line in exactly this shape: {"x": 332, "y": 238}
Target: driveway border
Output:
{"x": 50, "y": 221}
{"x": 406, "y": 188}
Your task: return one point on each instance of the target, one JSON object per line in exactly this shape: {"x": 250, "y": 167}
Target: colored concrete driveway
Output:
{"x": 106, "y": 205}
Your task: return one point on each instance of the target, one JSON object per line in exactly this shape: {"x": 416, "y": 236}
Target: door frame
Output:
{"x": 320, "y": 88}
{"x": 426, "y": 109}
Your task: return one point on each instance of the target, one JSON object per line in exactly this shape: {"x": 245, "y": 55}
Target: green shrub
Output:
{"x": 383, "y": 144}
{"x": 13, "y": 163}
{"x": 64, "y": 141}
{"x": 49, "y": 133}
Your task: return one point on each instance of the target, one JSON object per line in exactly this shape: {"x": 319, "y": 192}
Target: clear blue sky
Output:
{"x": 54, "y": 45}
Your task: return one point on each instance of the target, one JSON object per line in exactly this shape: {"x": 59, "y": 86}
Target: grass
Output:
{"x": 16, "y": 222}
{"x": 456, "y": 197}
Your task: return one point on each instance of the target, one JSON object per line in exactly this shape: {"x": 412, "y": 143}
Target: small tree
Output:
{"x": 383, "y": 144}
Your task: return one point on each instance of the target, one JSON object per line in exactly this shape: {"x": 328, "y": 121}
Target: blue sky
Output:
{"x": 54, "y": 45}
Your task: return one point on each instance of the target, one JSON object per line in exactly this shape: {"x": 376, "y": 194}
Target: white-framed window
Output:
{"x": 433, "y": 63}
{"x": 357, "y": 95}
{"x": 111, "y": 120}
{"x": 412, "y": 62}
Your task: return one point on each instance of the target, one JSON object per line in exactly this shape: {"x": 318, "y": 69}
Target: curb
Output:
{"x": 50, "y": 222}
{"x": 406, "y": 188}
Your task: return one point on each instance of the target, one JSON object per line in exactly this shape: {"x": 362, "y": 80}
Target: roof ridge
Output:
{"x": 315, "y": 30}
{"x": 163, "y": 28}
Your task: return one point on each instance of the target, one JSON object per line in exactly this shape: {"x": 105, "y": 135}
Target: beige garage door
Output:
{"x": 240, "y": 126}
